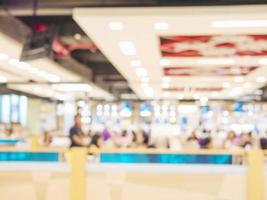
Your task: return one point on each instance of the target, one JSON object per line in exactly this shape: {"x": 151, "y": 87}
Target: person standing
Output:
{"x": 77, "y": 136}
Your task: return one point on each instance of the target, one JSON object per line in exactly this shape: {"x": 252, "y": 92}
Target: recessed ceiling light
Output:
{"x": 261, "y": 79}
{"x": 141, "y": 72}
{"x": 77, "y": 36}
{"x": 3, "y": 56}
{"x": 164, "y": 62}
{"x": 136, "y": 63}
{"x": 115, "y": 26}
{"x": 216, "y": 61}
{"x": 239, "y": 23}
{"x": 239, "y": 79}
{"x": 127, "y": 48}
{"x": 161, "y": 25}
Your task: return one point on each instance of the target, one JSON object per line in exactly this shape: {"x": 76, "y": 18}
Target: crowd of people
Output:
{"x": 203, "y": 139}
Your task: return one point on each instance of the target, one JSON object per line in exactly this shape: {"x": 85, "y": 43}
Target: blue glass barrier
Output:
{"x": 9, "y": 141}
{"x": 165, "y": 158}
{"x": 30, "y": 156}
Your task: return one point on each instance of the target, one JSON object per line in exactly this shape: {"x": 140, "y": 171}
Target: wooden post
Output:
{"x": 78, "y": 173}
{"x": 255, "y": 176}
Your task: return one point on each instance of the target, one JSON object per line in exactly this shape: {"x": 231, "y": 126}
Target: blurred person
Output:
{"x": 47, "y": 139}
{"x": 246, "y": 141}
{"x": 97, "y": 141}
{"x": 191, "y": 142}
{"x": 142, "y": 139}
{"x": 123, "y": 140}
{"x": 205, "y": 141}
{"x": 77, "y": 136}
{"x": 231, "y": 141}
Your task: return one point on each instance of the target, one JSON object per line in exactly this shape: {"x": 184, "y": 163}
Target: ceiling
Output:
{"x": 203, "y": 52}
{"x": 38, "y": 77}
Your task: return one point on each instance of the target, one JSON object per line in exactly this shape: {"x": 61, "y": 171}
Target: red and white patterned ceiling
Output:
{"x": 216, "y": 52}
{"x": 213, "y": 45}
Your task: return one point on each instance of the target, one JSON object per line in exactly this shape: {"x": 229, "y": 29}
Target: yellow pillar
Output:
{"x": 255, "y": 176}
{"x": 78, "y": 173}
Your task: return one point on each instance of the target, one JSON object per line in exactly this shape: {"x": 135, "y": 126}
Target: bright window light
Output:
{"x": 218, "y": 61}
{"x": 261, "y": 79}
{"x": 161, "y": 25}
{"x": 72, "y": 87}
{"x": 164, "y": 62}
{"x": 3, "y": 56}
{"x": 240, "y": 24}
{"x": 141, "y": 72}
{"x": 127, "y": 48}
{"x": 115, "y": 26}
{"x": 136, "y": 63}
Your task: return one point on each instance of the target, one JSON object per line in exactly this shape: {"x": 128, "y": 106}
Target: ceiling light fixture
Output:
{"x": 115, "y": 26}
{"x": 141, "y": 72}
{"x": 239, "y": 24}
{"x": 77, "y": 36}
{"x": 161, "y": 26}
{"x": 136, "y": 63}
{"x": 127, "y": 48}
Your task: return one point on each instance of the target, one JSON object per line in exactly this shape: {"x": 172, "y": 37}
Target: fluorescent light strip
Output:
{"x": 240, "y": 24}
